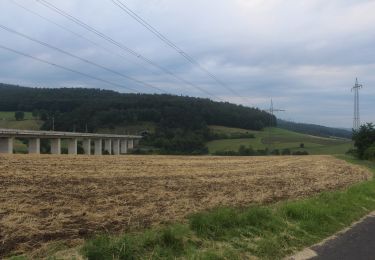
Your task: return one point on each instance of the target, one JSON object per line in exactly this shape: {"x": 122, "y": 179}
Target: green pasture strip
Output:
{"x": 276, "y": 138}
{"x": 230, "y": 130}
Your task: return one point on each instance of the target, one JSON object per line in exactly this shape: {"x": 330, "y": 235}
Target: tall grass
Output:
{"x": 267, "y": 232}
{"x": 161, "y": 243}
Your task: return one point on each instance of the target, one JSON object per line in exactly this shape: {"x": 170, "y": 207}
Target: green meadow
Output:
{"x": 276, "y": 138}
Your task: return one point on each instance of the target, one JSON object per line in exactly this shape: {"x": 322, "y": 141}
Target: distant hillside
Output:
{"x": 102, "y": 108}
{"x": 312, "y": 129}
{"x": 180, "y": 122}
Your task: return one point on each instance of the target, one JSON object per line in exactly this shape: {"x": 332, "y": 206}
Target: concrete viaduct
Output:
{"x": 113, "y": 144}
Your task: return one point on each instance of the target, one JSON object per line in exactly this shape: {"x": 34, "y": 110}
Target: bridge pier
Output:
{"x": 131, "y": 144}
{"x": 72, "y": 146}
{"x": 87, "y": 146}
{"x": 6, "y": 145}
{"x": 34, "y": 146}
{"x": 116, "y": 146}
{"x": 108, "y": 145}
{"x": 98, "y": 147}
{"x": 56, "y": 146}
{"x": 124, "y": 146}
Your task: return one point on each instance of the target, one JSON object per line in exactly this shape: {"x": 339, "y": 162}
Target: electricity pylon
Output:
{"x": 272, "y": 111}
{"x": 356, "y": 118}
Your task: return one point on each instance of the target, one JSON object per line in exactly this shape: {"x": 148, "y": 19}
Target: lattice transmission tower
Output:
{"x": 272, "y": 111}
{"x": 356, "y": 118}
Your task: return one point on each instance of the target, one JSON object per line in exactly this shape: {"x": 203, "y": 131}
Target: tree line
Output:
{"x": 312, "y": 129}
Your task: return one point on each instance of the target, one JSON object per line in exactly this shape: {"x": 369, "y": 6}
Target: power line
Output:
{"x": 66, "y": 68}
{"x": 72, "y": 32}
{"x": 56, "y": 24}
{"x": 162, "y": 37}
{"x": 121, "y": 46}
{"x": 77, "y": 57}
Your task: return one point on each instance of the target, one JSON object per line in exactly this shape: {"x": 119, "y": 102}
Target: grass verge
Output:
{"x": 268, "y": 232}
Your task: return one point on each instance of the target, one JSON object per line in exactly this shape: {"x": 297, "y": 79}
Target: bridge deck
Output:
{"x": 54, "y": 134}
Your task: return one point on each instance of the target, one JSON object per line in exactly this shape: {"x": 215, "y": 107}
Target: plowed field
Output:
{"x": 66, "y": 198}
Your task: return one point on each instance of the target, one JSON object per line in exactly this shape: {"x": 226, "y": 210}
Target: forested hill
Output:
{"x": 312, "y": 129}
{"x": 103, "y": 108}
{"x": 181, "y": 122}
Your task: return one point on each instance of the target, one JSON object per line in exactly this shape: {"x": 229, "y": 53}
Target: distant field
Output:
{"x": 230, "y": 130}
{"x": 10, "y": 115}
{"x": 45, "y": 198}
{"x": 7, "y": 120}
{"x": 276, "y": 138}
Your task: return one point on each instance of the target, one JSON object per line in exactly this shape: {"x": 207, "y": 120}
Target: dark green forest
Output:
{"x": 181, "y": 121}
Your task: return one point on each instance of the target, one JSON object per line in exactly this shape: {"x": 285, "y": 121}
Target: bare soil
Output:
{"x": 46, "y": 198}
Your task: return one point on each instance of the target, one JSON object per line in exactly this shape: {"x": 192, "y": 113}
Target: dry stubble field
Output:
{"x": 67, "y": 198}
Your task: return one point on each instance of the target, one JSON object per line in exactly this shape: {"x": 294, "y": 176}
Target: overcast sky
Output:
{"x": 303, "y": 54}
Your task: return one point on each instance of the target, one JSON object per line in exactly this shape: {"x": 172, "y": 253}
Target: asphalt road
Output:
{"x": 358, "y": 243}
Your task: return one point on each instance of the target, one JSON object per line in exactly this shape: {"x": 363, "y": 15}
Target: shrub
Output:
{"x": 35, "y": 113}
{"x": 226, "y": 153}
{"x": 275, "y": 152}
{"x": 302, "y": 145}
{"x": 139, "y": 151}
{"x": 19, "y": 115}
{"x": 286, "y": 151}
{"x": 300, "y": 153}
{"x": 352, "y": 151}
{"x": 246, "y": 151}
{"x": 45, "y": 146}
{"x": 364, "y": 138}
{"x": 203, "y": 150}
{"x": 80, "y": 149}
{"x": 262, "y": 152}
{"x": 241, "y": 136}
{"x": 369, "y": 153}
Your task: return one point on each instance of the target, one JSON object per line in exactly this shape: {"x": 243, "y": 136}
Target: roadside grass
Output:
{"x": 277, "y": 138}
{"x": 264, "y": 231}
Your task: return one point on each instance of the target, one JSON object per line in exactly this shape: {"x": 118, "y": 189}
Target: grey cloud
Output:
{"x": 303, "y": 54}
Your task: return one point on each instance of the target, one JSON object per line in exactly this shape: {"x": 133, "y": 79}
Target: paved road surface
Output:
{"x": 358, "y": 243}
